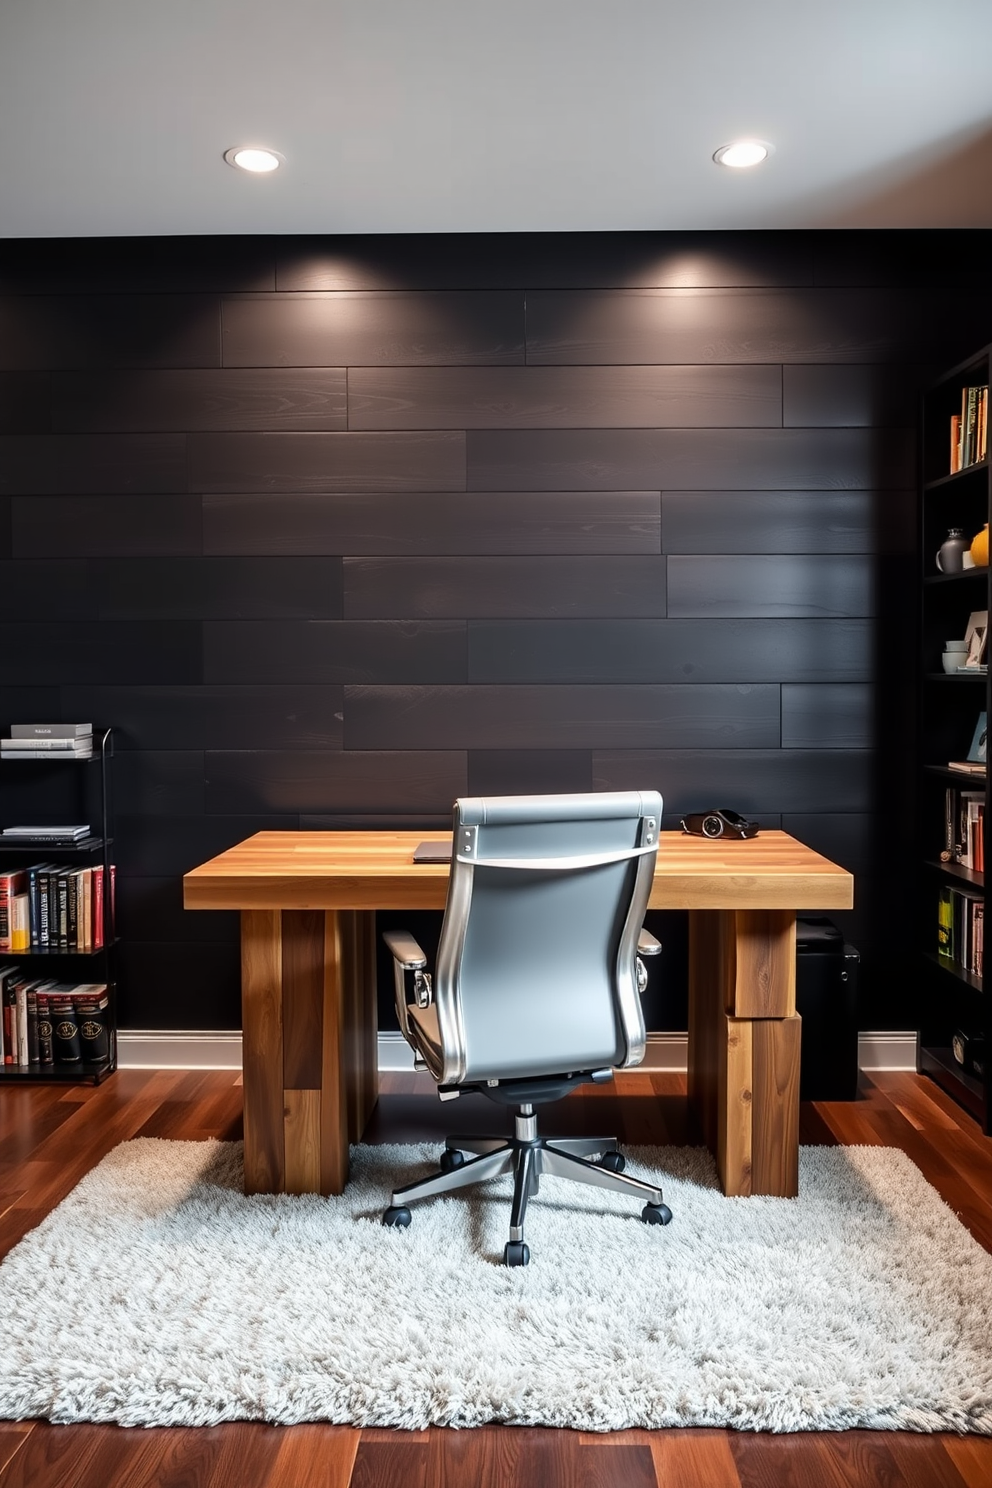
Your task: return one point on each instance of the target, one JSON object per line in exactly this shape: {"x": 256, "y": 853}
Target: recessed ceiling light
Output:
{"x": 250, "y": 158}
{"x": 743, "y": 153}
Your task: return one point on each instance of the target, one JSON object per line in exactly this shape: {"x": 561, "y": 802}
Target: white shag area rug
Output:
{"x": 158, "y": 1294}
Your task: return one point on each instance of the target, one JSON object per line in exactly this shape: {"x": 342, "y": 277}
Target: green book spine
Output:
{"x": 945, "y": 924}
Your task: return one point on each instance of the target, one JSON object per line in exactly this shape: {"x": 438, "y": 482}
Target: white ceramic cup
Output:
{"x": 956, "y": 646}
{"x": 952, "y": 660}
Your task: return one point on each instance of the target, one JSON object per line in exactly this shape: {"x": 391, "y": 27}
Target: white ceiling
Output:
{"x": 491, "y": 115}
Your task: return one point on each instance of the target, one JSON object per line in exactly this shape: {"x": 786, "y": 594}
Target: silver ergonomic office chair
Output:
{"x": 537, "y": 984}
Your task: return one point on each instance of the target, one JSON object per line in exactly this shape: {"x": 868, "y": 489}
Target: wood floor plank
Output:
{"x": 808, "y": 1461}
{"x": 972, "y": 1457}
{"x": 314, "y": 1456}
{"x": 25, "y": 1123}
{"x": 688, "y": 1459}
{"x": 551, "y": 1458}
{"x": 16, "y": 1223}
{"x": 241, "y": 1454}
{"x": 608, "y": 1463}
{"x": 922, "y": 1459}
{"x": 395, "y": 1463}
{"x": 486, "y": 1458}
{"x": 859, "y": 1458}
{"x": 171, "y": 1118}
{"x": 13, "y": 1435}
{"x": 68, "y": 1457}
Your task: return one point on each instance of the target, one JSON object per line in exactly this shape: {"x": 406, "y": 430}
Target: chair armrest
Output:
{"x": 647, "y": 945}
{"x": 407, "y": 956}
{"x": 405, "y": 950}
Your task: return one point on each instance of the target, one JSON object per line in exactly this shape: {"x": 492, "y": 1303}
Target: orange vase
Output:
{"x": 980, "y": 548}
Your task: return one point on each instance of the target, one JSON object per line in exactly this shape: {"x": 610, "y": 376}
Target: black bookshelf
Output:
{"x": 92, "y": 796}
{"x": 952, "y": 935}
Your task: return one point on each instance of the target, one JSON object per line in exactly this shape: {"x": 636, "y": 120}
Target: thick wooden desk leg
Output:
{"x": 744, "y": 1047}
{"x": 261, "y": 1050}
{"x": 350, "y": 1080}
{"x": 309, "y": 1045}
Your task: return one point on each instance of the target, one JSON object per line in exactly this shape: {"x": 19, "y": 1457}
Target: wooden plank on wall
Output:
{"x": 564, "y": 397}
{"x": 435, "y": 588}
{"x": 438, "y": 523}
{"x": 560, "y": 717}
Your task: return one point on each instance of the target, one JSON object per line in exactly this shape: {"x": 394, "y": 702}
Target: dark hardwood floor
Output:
{"x": 51, "y": 1135}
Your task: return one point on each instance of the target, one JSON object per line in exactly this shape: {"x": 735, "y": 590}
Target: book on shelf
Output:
{"x": 19, "y": 1028}
{"x": 964, "y": 828}
{"x": 20, "y": 924}
{"x": 48, "y": 1022}
{"x": 966, "y": 767}
{"x": 71, "y": 833}
{"x": 55, "y": 907}
{"x": 969, "y": 428}
{"x": 37, "y": 905}
{"x": 50, "y": 730}
{"x": 8, "y": 1023}
{"x": 50, "y": 749}
{"x": 11, "y": 886}
{"x": 62, "y": 755}
{"x": 48, "y": 746}
{"x": 961, "y": 930}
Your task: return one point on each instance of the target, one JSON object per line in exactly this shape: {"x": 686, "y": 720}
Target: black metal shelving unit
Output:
{"x": 952, "y": 999}
{"x": 94, "y": 790}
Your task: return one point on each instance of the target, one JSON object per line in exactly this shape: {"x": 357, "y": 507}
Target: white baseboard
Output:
{"x": 164, "y": 1049}
{"x": 887, "y": 1051}
{"x": 394, "y": 1052}
{"x": 168, "y": 1049}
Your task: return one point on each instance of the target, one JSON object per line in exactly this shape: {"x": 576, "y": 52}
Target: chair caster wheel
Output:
{"x": 451, "y": 1159}
{"x": 656, "y": 1214}
{"x": 614, "y": 1162}
{"x": 396, "y": 1217}
{"x": 516, "y": 1253}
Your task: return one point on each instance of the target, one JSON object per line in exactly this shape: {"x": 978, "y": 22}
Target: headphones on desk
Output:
{"x": 722, "y": 823}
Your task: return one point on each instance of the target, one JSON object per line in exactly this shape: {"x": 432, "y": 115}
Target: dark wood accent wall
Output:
{"x": 334, "y": 530}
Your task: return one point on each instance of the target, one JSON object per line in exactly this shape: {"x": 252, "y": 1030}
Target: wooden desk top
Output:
{"x": 375, "y": 870}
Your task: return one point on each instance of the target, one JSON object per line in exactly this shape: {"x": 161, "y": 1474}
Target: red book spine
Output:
{"x": 97, "y": 908}
{"x": 9, "y": 1023}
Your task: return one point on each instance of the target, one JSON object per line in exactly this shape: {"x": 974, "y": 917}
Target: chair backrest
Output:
{"x": 536, "y": 967}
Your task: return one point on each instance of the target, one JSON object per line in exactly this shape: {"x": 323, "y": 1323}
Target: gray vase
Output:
{"x": 950, "y": 554}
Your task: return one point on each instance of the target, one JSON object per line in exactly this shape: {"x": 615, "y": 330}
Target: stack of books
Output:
{"x": 47, "y": 1022}
{"x": 53, "y": 907}
{"x": 55, "y": 836}
{"x": 969, "y": 429}
{"x": 48, "y": 741}
{"x": 961, "y": 930}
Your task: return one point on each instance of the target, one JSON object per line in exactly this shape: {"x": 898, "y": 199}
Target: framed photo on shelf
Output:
{"x": 977, "y": 642}
{"x": 977, "y": 620}
{"x": 977, "y": 752}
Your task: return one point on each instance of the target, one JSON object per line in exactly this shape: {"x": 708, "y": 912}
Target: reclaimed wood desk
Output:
{"x": 308, "y": 902}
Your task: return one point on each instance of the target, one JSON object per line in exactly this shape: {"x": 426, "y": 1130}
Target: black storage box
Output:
{"x": 827, "y": 1002}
